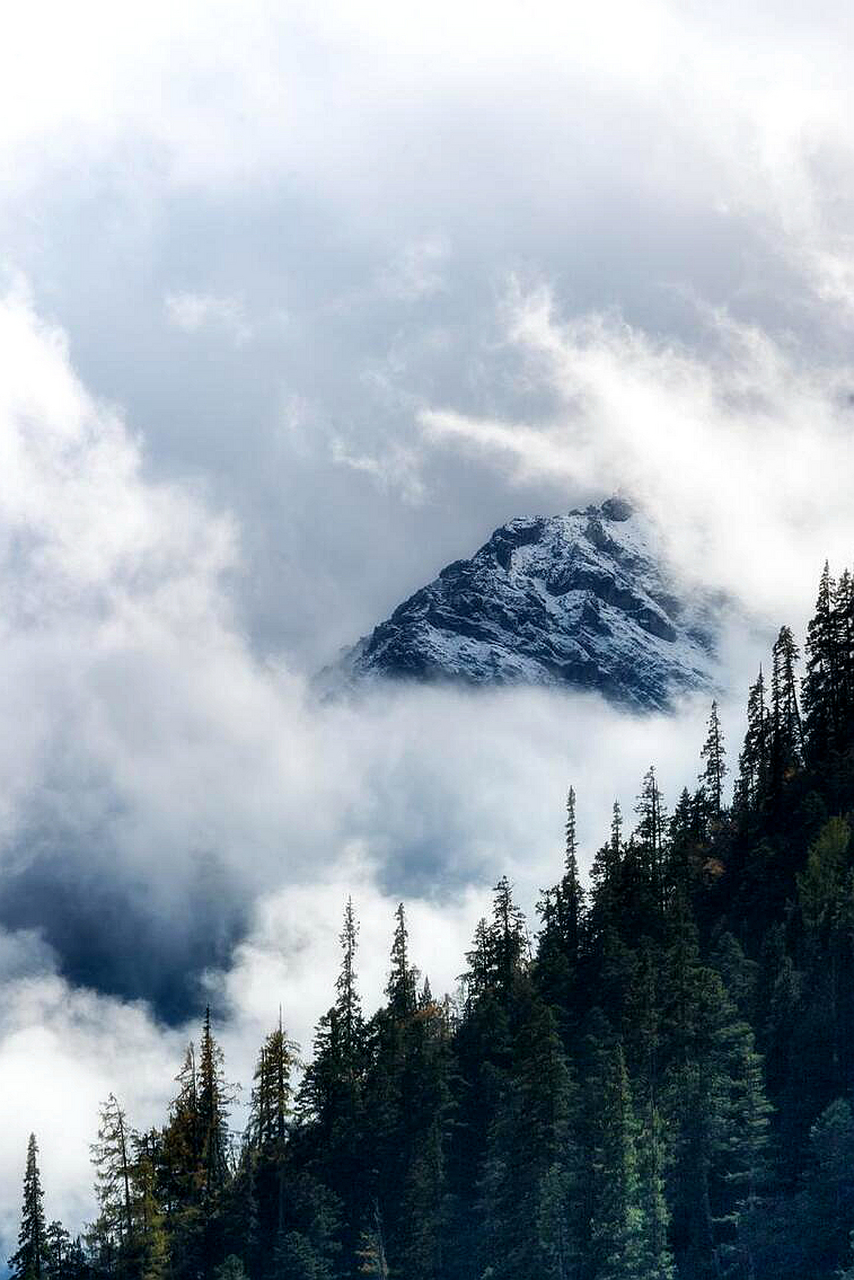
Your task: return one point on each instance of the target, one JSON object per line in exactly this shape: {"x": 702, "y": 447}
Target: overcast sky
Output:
{"x": 299, "y": 302}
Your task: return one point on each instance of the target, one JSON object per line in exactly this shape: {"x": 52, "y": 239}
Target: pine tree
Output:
{"x": 644, "y": 1053}
{"x": 213, "y": 1099}
{"x": 31, "y": 1259}
{"x": 348, "y": 1005}
{"x": 112, "y": 1158}
{"x": 182, "y": 1141}
{"x": 265, "y": 1153}
{"x": 685, "y": 850}
{"x": 843, "y": 604}
{"x": 616, "y": 830}
{"x": 570, "y": 900}
{"x": 508, "y": 938}
{"x": 332, "y": 1097}
{"x": 403, "y": 979}
{"x": 478, "y": 977}
{"x": 617, "y": 1219}
{"x": 651, "y": 829}
{"x": 826, "y": 899}
{"x": 819, "y": 1221}
{"x": 713, "y": 1099}
{"x": 745, "y": 1148}
{"x": 754, "y": 762}
{"x": 714, "y": 754}
{"x": 270, "y": 1105}
{"x": 60, "y": 1256}
{"x": 152, "y": 1255}
{"x": 786, "y": 754}
{"x": 605, "y": 875}
{"x": 562, "y": 911}
{"x": 525, "y": 1227}
{"x": 653, "y": 1248}
{"x": 822, "y": 681}
{"x": 426, "y": 1116}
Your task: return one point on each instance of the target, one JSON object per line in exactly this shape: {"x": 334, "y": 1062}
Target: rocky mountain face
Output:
{"x": 578, "y": 600}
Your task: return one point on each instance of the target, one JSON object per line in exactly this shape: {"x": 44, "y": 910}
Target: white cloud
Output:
{"x": 397, "y": 468}
{"x": 191, "y": 312}
{"x": 748, "y": 113}
{"x": 62, "y": 1051}
{"x": 418, "y": 271}
{"x": 738, "y": 449}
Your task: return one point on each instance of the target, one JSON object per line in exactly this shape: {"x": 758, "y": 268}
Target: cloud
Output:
{"x": 62, "y": 1050}
{"x": 419, "y": 271}
{"x": 191, "y": 312}
{"x": 398, "y": 468}
{"x": 738, "y": 446}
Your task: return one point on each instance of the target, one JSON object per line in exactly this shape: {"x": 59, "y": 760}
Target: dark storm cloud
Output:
{"x": 113, "y": 935}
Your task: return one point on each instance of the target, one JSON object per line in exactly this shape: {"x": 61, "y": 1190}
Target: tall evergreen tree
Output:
{"x": 348, "y": 1005}
{"x": 754, "y": 762}
{"x": 508, "y": 937}
{"x": 213, "y": 1101}
{"x": 571, "y": 897}
{"x": 619, "y": 1224}
{"x": 786, "y": 729}
{"x": 31, "y": 1259}
{"x": 112, "y": 1156}
{"x": 715, "y": 770}
{"x": 651, "y": 829}
{"x": 270, "y": 1107}
{"x": 822, "y": 681}
{"x": 332, "y": 1098}
{"x": 182, "y": 1141}
{"x": 403, "y": 979}
{"x": 61, "y": 1260}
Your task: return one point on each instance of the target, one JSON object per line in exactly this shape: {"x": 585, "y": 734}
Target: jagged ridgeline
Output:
{"x": 583, "y": 600}
{"x": 659, "y": 1085}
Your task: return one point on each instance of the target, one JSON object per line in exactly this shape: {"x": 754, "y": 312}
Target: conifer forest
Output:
{"x": 650, "y": 1081}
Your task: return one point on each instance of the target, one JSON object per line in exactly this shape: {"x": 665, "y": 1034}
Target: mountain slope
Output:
{"x": 577, "y": 600}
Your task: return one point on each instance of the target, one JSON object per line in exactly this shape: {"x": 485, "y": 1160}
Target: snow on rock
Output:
{"x": 579, "y": 600}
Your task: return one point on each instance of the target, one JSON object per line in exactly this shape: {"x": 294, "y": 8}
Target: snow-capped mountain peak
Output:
{"x": 579, "y": 600}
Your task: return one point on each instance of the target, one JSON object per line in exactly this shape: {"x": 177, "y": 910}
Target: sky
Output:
{"x": 298, "y": 302}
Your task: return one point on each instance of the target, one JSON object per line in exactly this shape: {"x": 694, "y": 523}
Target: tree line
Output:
{"x": 656, "y": 1086}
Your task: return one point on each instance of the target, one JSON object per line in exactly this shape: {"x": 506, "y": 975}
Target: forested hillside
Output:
{"x": 656, "y": 1082}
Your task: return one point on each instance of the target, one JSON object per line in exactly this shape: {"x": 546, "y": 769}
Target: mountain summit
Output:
{"x": 580, "y": 600}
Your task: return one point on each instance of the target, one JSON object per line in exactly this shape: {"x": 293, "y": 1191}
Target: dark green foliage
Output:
{"x": 715, "y": 771}
{"x": 527, "y": 1183}
{"x": 32, "y": 1258}
{"x": 661, "y": 1091}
